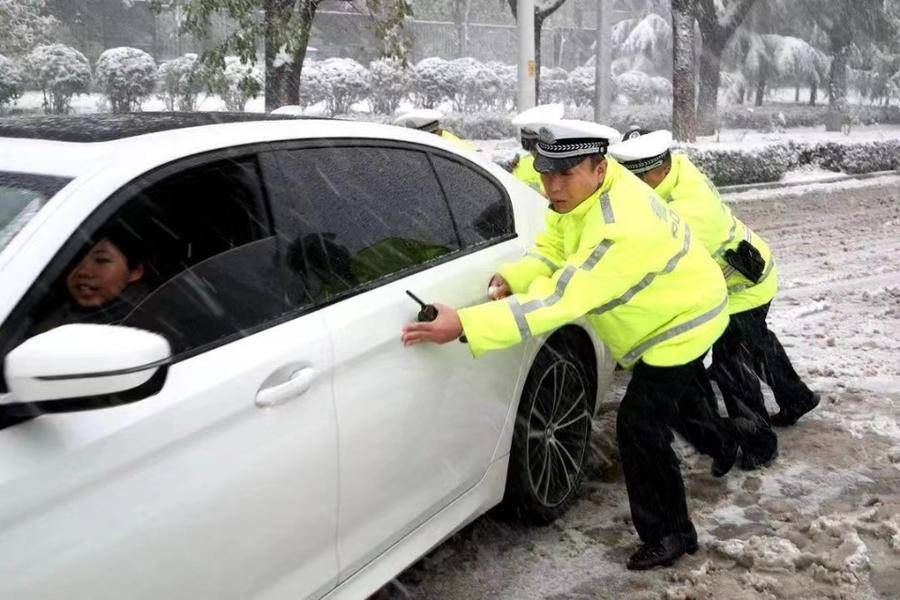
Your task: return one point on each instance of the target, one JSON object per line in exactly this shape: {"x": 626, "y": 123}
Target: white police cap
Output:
{"x": 640, "y": 152}
{"x": 563, "y": 144}
{"x": 426, "y": 119}
{"x": 542, "y": 113}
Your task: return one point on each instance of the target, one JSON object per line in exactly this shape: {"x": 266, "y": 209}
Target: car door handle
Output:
{"x": 295, "y": 386}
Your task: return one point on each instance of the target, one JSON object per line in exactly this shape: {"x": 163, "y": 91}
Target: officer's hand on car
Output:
{"x": 446, "y": 327}
{"x": 498, "y": 288}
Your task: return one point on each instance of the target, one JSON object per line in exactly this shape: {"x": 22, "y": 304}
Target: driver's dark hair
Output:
{"x": 126, "y": 240}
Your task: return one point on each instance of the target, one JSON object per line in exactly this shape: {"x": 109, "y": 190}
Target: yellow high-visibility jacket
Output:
{"x": 525, "y": 173}
{"x": 624, "y": 261}
{"x": 693, "y": 196}
{"x": 459, "y": 143}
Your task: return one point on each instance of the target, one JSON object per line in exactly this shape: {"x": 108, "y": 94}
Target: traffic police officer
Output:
{"x": 524, "y": 165}
{"x": 747, "y": 351}
{"x": 613, "y": 253}
{"x": 427, "y": 119}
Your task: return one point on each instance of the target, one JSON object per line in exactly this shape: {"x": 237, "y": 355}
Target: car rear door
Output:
{"x": 417, "y": 426}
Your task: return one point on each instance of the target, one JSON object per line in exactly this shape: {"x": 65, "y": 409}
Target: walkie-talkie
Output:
{"x": 427, "y": 313}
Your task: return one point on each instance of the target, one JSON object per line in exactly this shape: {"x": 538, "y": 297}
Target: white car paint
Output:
{"x": 313, "y": 454}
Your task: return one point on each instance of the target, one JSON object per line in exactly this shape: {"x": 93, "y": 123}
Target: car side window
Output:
{"x": 479, "y": 205}
{"x": 190, "y": 256}
{"x": 351, "y": 216}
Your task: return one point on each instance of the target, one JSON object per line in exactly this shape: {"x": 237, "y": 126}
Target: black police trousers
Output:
{"x": 658, "y": 400}
{"x": 748, "y": 352}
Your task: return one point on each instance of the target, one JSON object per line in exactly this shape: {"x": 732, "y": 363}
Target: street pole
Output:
{"x": 526, "y": 72}
{"x": 603, "y": 62}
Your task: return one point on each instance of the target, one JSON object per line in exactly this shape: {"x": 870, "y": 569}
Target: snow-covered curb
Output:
{"x": 786, "y": 184}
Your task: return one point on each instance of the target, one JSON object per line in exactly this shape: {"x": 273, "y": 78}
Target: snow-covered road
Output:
{"x": 822, "y": 522}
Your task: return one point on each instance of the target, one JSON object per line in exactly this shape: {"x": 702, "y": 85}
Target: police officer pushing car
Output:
{"x": 614, "y": 254}
{"x": 748, "y": 350}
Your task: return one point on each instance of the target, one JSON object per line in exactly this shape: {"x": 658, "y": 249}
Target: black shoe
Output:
{"x": 786, "y": 418}
{"x": 723, "y": 463}
{"x": 663, "y": 553}
{"x": 759, "y": 451}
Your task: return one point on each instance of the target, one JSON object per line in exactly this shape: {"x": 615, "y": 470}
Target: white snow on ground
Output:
{"x": 822, "y": 522}
{"x": 742, "y": 139}
{"x": 811, "y": 188}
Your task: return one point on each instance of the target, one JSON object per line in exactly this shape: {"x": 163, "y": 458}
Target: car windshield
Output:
{"x": 21, "y": 197}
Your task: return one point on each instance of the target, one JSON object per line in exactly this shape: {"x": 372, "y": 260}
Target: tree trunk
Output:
{"x": 283, "y": 81}
{"x": 760, "y": 90}
{"x": 684, "y": 117}
{"x": 813, "y": 89}
{"x": 837, "y": 91}
{"x": 710, "y": 77}
{"x": 797, "y": 94}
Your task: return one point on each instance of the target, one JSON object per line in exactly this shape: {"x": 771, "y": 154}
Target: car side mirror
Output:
{"x": 102, "y": 365}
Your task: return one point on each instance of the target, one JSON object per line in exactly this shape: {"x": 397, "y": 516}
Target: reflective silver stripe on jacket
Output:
{"x": 727, "y": 242}
{"x": 520, "y": 310}
{"x": 553, "y": 266}
{"x": 647, "y": 279}
{"x": 606, "y": 206}
{"x": 635, "y": 354}
{"x": 744, "y": 286}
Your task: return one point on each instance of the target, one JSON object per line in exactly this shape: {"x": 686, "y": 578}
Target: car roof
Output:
{"x": 177, "y": 135}
{"x": 108, "y": 127}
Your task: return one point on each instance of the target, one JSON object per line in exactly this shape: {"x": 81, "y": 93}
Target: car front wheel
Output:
{"x": 551, "y": 437}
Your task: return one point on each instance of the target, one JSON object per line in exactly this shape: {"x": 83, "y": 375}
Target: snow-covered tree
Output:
{"x": 797, "y": 61}
{"x": 348, "y": 82}
{"x": 389, "y": 84}
{"x": 718, "y": 20}
{"x": 179, "y": 82}
{"x": 10, "y": 82}
{"x": 126, "y": 76}
{"x": 237, "y": 83}
{"x": 60, "y": 72}
{"x": 23, "y": 25}
{"x": 555, "y": 82}
{"x": 635, "y": 86}
{"x": 314, "y": 86}
{"x": 651, "y": 37}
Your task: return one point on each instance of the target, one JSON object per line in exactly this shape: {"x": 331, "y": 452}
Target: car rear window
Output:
{"x": 21, "y": 197}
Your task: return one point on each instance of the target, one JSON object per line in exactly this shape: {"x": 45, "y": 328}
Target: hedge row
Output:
{"x": 771, "y": 162}
{"x": 486, "y": 125}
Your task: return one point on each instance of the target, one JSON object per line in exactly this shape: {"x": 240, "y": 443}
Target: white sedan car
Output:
{"x": 203, "y": 391}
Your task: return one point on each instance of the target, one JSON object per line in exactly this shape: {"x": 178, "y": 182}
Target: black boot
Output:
{"x": 725, "y": 460}
{"x": 786, "y": 418}
{"x": 663, "y": 553}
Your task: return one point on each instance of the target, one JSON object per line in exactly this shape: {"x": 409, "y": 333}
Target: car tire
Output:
{"x": 546, "y": 463}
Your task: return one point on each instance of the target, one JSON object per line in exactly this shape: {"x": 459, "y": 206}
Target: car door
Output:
{"x": 417, "y": 426}
{"x": 224, "y": 483}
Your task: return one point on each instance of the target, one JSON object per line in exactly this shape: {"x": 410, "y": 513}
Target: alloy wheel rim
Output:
{"x": 557, "y": 427}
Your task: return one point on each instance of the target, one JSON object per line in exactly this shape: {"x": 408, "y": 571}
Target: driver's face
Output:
{"x": 101, "y": 276}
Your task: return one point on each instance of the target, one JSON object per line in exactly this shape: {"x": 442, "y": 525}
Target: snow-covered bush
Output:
{"x": 237, "y": 83}
{"x": 60, "y": 72}
{"x": 864, "y": 157}
{"x": 581, "y": 86}
{"x": 635, "y": 86}
{"x": 661, "y": 89}
{"x": 179, "y": 82}
{"x": 435, "y": 80}
{"x": 314, "y": 87}
{"x": 348, "y": 82}
{"x": 477, "y": 86}
{"x": 125, "y": 76}
{"x": 480, "y": 126}
{"x": 10, "y": 82}
{"x": 508, "y": 76}
{"x": 751, "y": 165}
{"x": 554, "y": 84}
{"x": 389, "y": 82}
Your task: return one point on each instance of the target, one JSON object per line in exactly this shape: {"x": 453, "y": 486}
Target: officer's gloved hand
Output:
{"x": 498, "y": 288}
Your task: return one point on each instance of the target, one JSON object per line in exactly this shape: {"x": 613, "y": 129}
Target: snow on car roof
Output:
{"x": 108, "y": 127}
